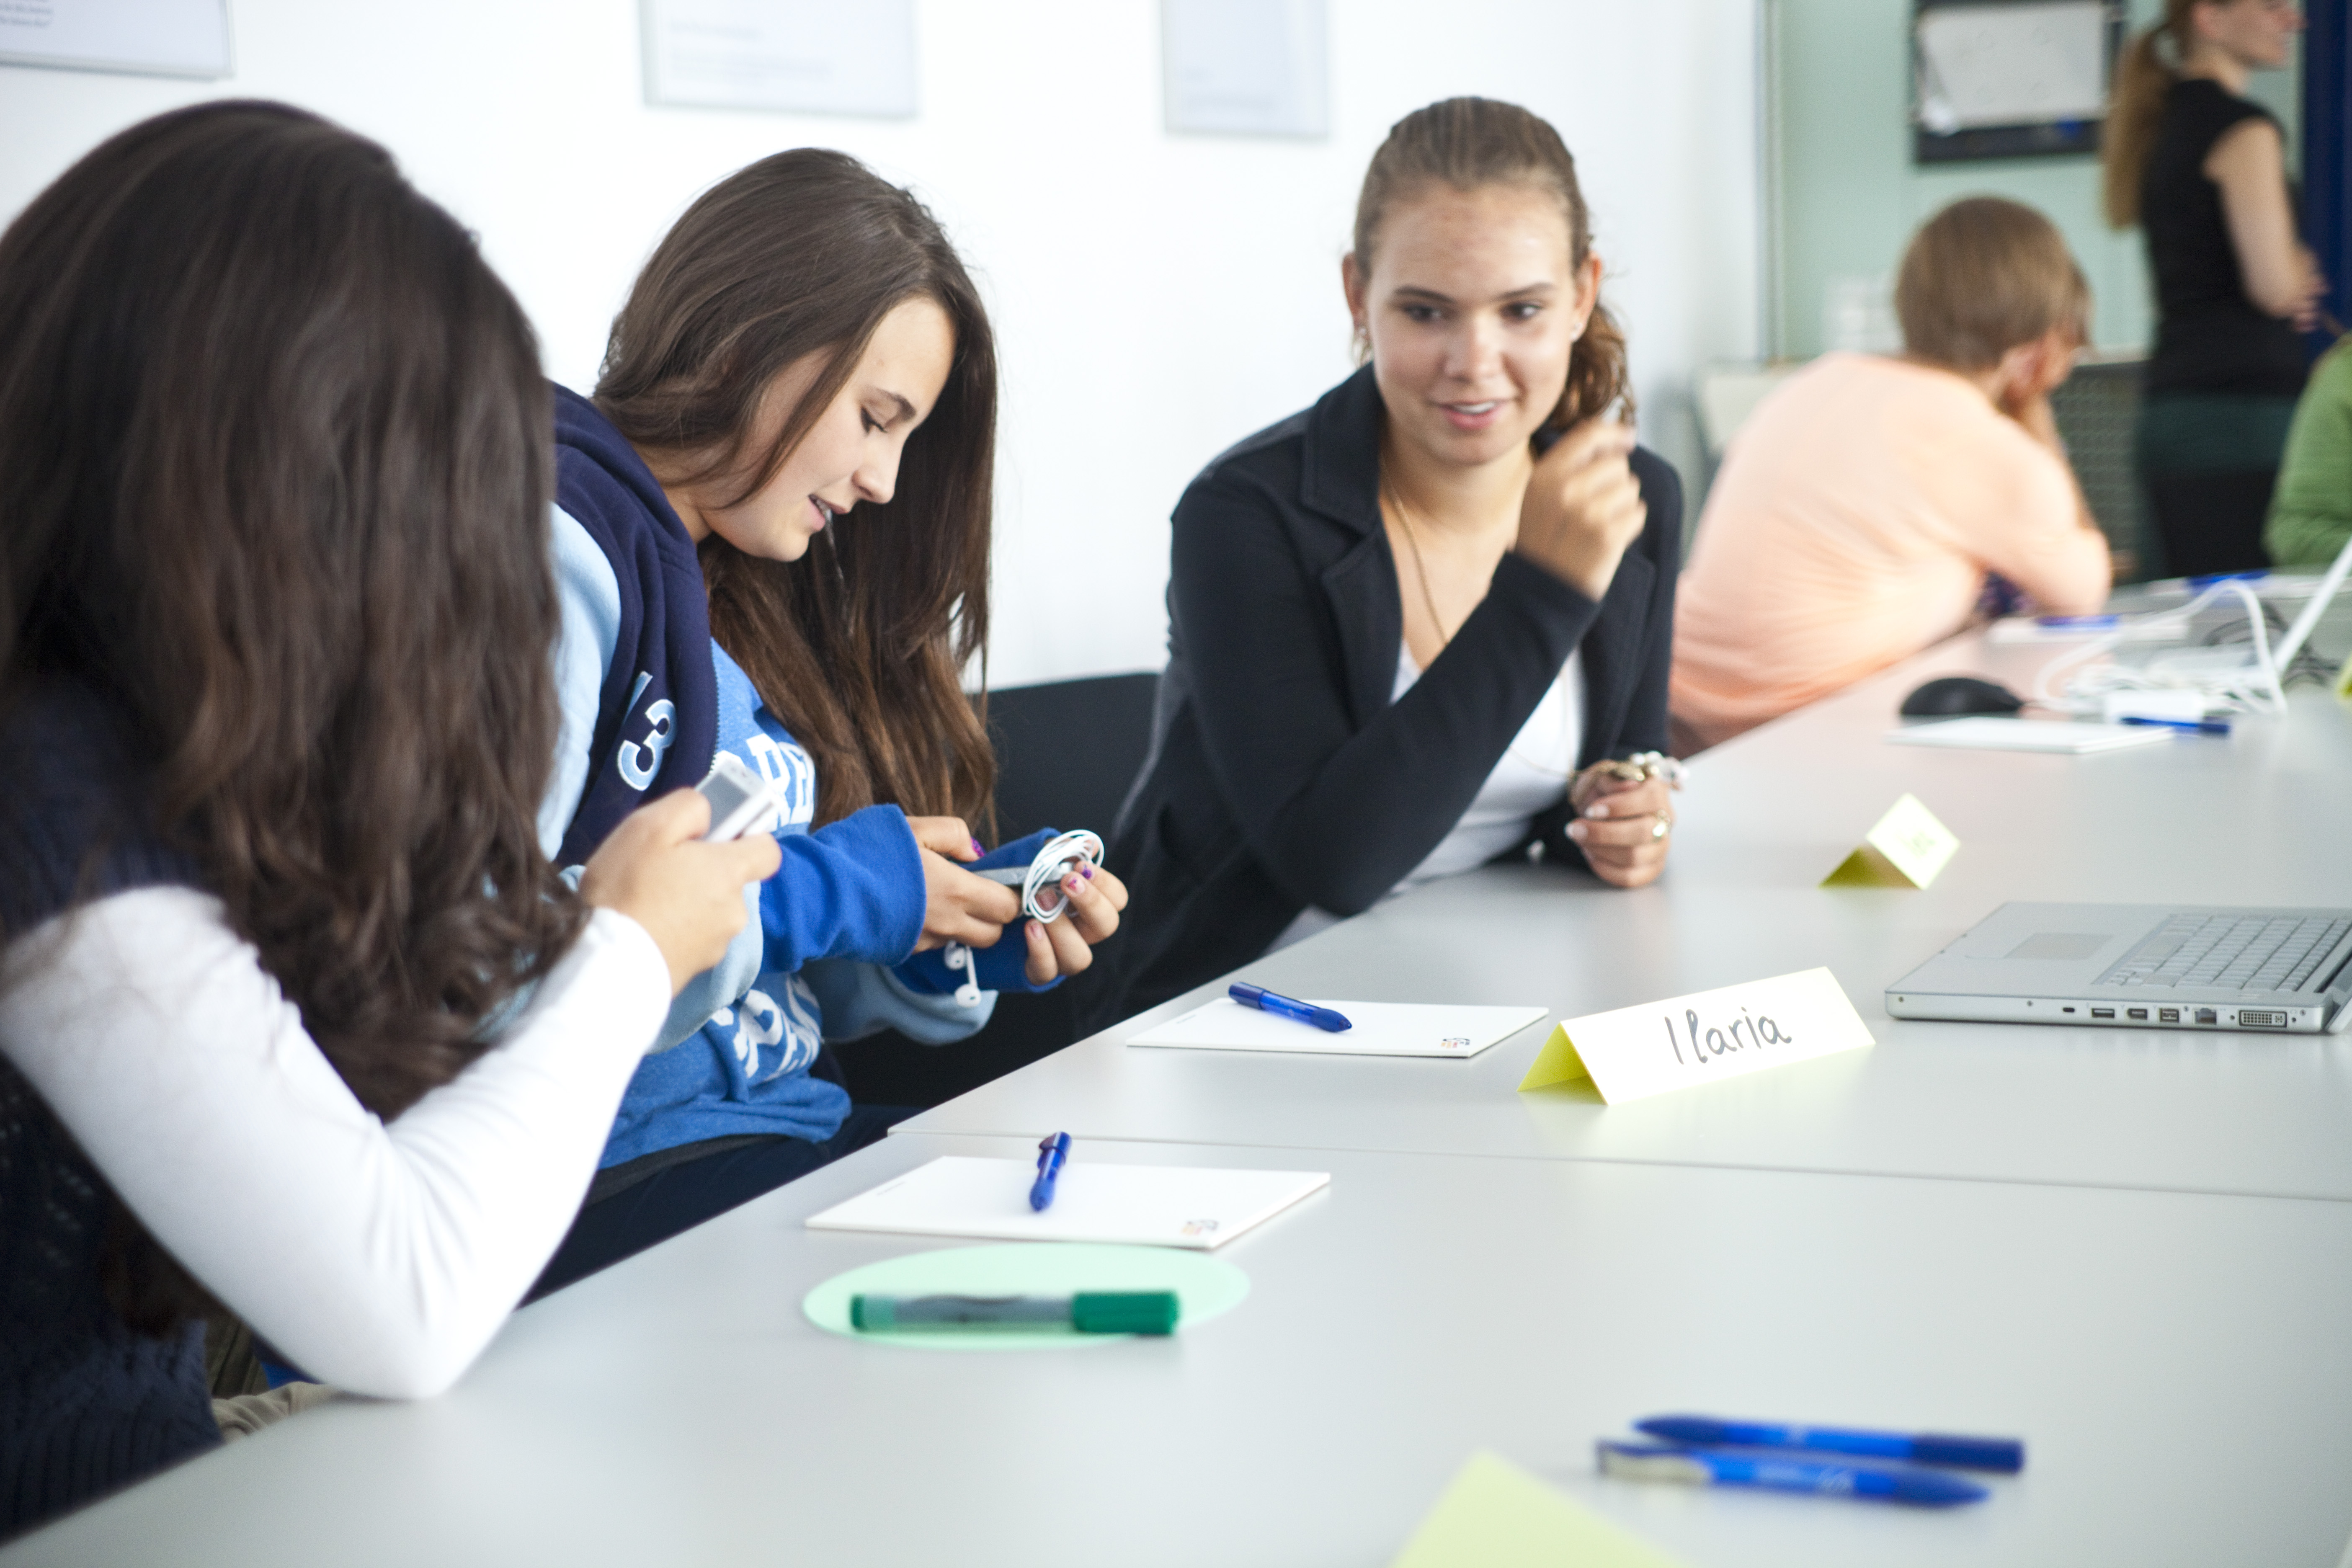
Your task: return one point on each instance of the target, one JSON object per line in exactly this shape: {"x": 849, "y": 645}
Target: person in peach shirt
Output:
{"x": 1861, "y": 508}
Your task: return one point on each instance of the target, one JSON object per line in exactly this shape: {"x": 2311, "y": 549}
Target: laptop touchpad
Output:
{"x": 2060, "y": 944}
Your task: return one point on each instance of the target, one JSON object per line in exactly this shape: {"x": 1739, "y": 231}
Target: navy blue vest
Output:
{"x": 658, "y": 716}
{"x": 86, "y": 1403}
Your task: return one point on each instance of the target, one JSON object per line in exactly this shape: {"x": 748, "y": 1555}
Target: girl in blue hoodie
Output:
{"x": 772, "y": 533}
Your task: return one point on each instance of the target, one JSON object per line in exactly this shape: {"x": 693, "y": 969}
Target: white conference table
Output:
{"x": 2132, "y": 1248}
{"x": 2258, "y": 817}
{"x": 2175, "y": 1363}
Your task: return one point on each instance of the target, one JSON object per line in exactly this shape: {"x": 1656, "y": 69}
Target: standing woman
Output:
{"x": 2201, "y": 169}
{"x": 1408, "y": 624}
{"x": 295, "y": 1016}
{"x": 772, "y": 537}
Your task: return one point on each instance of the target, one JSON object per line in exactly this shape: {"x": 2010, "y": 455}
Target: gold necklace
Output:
{"x": 1444, "y": 637}
{"x": 1419, "y": 567}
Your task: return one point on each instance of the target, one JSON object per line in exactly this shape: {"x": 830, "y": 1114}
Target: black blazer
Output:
{"x": 1280, "y": 775}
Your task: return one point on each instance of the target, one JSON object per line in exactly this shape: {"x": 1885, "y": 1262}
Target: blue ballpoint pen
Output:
{"x": 1266, "y": 1000}
{"x": 2195, "y": 726}
{"x": 1705, "y": 1467}
{"x": 2006, "y": 1454}
{"x": 1052, "y": 1154}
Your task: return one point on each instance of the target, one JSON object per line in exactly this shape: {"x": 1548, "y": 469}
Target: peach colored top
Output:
{"x": 1852, "y": 525}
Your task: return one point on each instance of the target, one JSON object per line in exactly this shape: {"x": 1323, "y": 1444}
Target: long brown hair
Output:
{"x": 1472, "y": 143}
{"x": 2143, "y": 77}
{"x": 859, "y": 647}
{"x": 275, "y": 464}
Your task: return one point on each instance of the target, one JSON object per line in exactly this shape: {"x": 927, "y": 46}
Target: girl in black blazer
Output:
{"x": 1410, "y": 626}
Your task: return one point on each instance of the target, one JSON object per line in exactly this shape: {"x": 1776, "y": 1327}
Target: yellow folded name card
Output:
{"x": 1709, "y": 1036}
{"x": 1495, "y": 1515}
{"x": 1906, "y": 849}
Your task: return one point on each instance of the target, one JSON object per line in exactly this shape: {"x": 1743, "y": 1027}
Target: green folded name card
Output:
{"x": 1908, "y": 848}
{"x": 1495, "y": 1515}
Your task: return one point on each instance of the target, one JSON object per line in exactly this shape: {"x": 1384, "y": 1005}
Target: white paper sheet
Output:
{"x": 1142, "y": 1205}
{"x": 144, "y": 38}
{"x": 2029, "y": 735}
{"x": 1381, "y": 1029}
{"x": 791, "y": 56}
{"x": 2011, "y": 65}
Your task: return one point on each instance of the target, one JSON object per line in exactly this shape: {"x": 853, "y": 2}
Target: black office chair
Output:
{"x": 1065, "y": 753}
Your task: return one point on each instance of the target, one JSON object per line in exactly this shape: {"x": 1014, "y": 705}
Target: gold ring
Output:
{"x": 1661, "y": 827}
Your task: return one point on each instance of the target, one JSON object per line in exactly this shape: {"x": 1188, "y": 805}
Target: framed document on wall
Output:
{"x": 141, "y": 38}
{"x": 2011, "y": 79}
{"x": 1245, "y": 67}
{"x": 797, "y": 56}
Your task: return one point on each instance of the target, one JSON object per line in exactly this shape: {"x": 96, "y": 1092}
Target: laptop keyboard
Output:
{"x": 2231, "y": 952}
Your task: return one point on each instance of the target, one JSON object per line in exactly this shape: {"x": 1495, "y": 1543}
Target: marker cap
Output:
{"x": 1124, "y": 1311}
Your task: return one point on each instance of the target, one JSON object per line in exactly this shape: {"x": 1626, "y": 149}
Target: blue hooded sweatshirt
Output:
{"x": 648, "y": 702}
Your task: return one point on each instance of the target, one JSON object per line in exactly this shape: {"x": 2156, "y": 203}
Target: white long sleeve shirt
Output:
{"x": 380, "y": 1258}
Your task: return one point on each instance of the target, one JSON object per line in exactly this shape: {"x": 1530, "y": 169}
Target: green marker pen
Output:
{"x": 1088, "y": 1313}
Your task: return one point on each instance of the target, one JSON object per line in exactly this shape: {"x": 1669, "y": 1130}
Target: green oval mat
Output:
{"x": 1205, "y": 1286}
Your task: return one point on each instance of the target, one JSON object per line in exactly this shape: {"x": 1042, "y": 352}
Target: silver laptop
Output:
{"x": 2141, "y": 966}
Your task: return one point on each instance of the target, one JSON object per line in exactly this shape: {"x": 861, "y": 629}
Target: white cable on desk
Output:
{"x": 2226, "y": 687}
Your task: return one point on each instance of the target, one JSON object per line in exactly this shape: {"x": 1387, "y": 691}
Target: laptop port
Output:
{"x": 2137, "y": 1014}
{"x": 2168, "y": 1014}
{"x": 2259, "y": 1018}
{"x": 2207, "y": 1015}
{"x": 2070, "y": 1009}
{"x": 2103, "y": 1012}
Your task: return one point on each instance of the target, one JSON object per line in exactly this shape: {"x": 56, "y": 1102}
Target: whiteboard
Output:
{"x": 143, "y": 38}
{"x": 1249, "y": 68}
{"x": 2011, "y": 65}
{"x": 849, "y": 57}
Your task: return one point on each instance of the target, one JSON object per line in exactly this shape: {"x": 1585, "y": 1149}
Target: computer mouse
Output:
{"x": 1954, "y": 695}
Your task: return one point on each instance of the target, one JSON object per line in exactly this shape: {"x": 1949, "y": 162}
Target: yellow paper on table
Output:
{"x": 1495, "y": 1515}
{"x": 1906, "y": 849}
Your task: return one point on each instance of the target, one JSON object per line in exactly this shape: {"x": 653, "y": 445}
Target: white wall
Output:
{"x": 1156, "y": 298}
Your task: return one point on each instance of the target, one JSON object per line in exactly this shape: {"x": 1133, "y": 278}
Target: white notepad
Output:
{"x": 2029, "y": 735}
{"x": 1141, "y": 1206}
{"x": 1381, "y": 1029}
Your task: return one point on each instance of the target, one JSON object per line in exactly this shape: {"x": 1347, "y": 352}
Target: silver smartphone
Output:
{"x": 738, "y": 796}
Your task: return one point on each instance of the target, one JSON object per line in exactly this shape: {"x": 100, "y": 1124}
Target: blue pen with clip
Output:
{"x": 2194, "y": 726}
{"x": 1266, "y": 1000}
{"x": 1706, "y": 1468}
{"x": 2003, "y": 1454}
{"x": 1052, "y": 1153}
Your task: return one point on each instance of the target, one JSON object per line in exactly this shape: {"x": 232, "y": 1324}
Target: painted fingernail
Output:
{"x": 976, "y": 849}
{"x": 1036, "y": 931}
{"x": 1087, "y": 872}
{"x": 1072, "y": 884}
{"x": 1576, "y": 831}
{"x": 1596, "y": 811}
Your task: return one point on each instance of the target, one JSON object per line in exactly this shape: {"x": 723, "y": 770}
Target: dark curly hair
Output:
{"x": 274, "y": 466}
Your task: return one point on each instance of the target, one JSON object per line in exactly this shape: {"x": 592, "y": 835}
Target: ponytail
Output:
{"x": 1597, "y": 377}
{"x": 2143, "y": 78}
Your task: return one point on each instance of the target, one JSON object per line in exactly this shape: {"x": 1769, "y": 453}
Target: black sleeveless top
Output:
{"x": 87, "y": 1404}
{"x": 2210, "y": 336}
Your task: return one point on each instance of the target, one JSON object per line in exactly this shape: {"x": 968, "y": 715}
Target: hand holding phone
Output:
{"x": 738, "y": 798}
